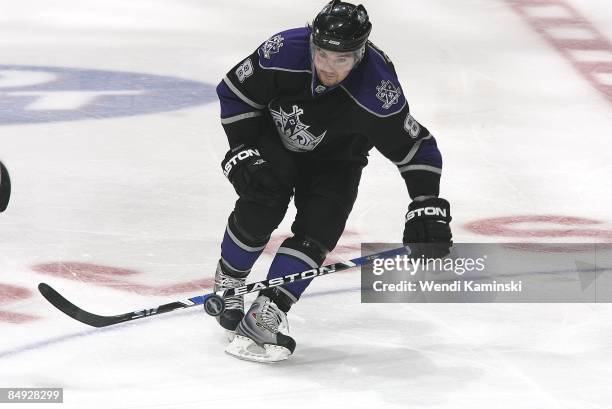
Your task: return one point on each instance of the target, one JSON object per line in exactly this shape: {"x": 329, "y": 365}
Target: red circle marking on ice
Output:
{"x": 113, "y": 277}
{"x": 10, "y": 294}
{"x": 506, "y": 227}
{"x": 576, "y": 45}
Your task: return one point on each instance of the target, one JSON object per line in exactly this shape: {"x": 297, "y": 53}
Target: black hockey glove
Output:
{"x": 251, "y": 175}
{"x": 427, "y": 224}
{"x": 5, "y": 188}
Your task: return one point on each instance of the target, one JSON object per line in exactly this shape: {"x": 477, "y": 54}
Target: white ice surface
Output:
{"x": 522, "y": 133}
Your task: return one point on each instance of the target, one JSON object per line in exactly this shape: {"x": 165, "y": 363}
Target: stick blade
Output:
{"x": 68, "y": 308}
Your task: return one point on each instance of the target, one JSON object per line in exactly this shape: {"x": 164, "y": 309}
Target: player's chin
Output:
{"x": 329, "y": 81}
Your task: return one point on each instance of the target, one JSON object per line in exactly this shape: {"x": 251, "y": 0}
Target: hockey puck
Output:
{"x": 214, "y": 305}
{"x": 5, "y": 187}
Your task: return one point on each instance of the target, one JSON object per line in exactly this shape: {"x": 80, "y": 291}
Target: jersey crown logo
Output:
{"x": 272, "y": 46}
{"x": 388, "y": 94}
{"x": 294, "y": 133}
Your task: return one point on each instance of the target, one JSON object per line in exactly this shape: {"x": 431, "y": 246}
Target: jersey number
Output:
{"x": 245, "y": 70}
{"x": 412, "y": 126}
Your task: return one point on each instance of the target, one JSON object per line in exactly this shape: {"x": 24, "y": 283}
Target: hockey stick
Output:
{"x": 213, "y": 302}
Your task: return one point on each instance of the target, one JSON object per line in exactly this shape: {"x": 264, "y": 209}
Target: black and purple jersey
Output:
{"x": 278, "y": 85}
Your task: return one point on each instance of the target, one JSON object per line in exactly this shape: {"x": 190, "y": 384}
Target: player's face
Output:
{"x": 333, "y": 67}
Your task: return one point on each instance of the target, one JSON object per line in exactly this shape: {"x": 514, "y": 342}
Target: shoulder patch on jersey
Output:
{"x": 272, "y": 46}
{"x": 374, "y": 86}
{"x": 288, "y": 50}
{"x": 388, "y": 93}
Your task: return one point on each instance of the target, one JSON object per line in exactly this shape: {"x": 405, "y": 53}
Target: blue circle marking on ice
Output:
{"x": 33, "y": 94}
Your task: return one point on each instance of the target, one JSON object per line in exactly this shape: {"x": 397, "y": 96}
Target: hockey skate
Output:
{"x": 262, "y": 334}
{"x": 234, "y": 305}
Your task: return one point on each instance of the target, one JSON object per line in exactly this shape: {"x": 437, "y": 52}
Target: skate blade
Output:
{"x": 230, "y": 335}
{"x": 245, "y": 348}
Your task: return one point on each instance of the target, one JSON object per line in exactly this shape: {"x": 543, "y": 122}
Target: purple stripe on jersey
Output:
{"x": 230, "y": 103}
{"x": 428, "y": 154}
{"x": 283, "y": 265}
{"x": 236, "y": 256}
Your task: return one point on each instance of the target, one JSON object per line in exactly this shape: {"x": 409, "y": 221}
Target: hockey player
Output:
{"x": 301, "y": 114}
{"x": 5, "y": 187}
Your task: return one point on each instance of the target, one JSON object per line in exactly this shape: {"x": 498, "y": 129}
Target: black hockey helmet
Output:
{"x": 341, "y": 27}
